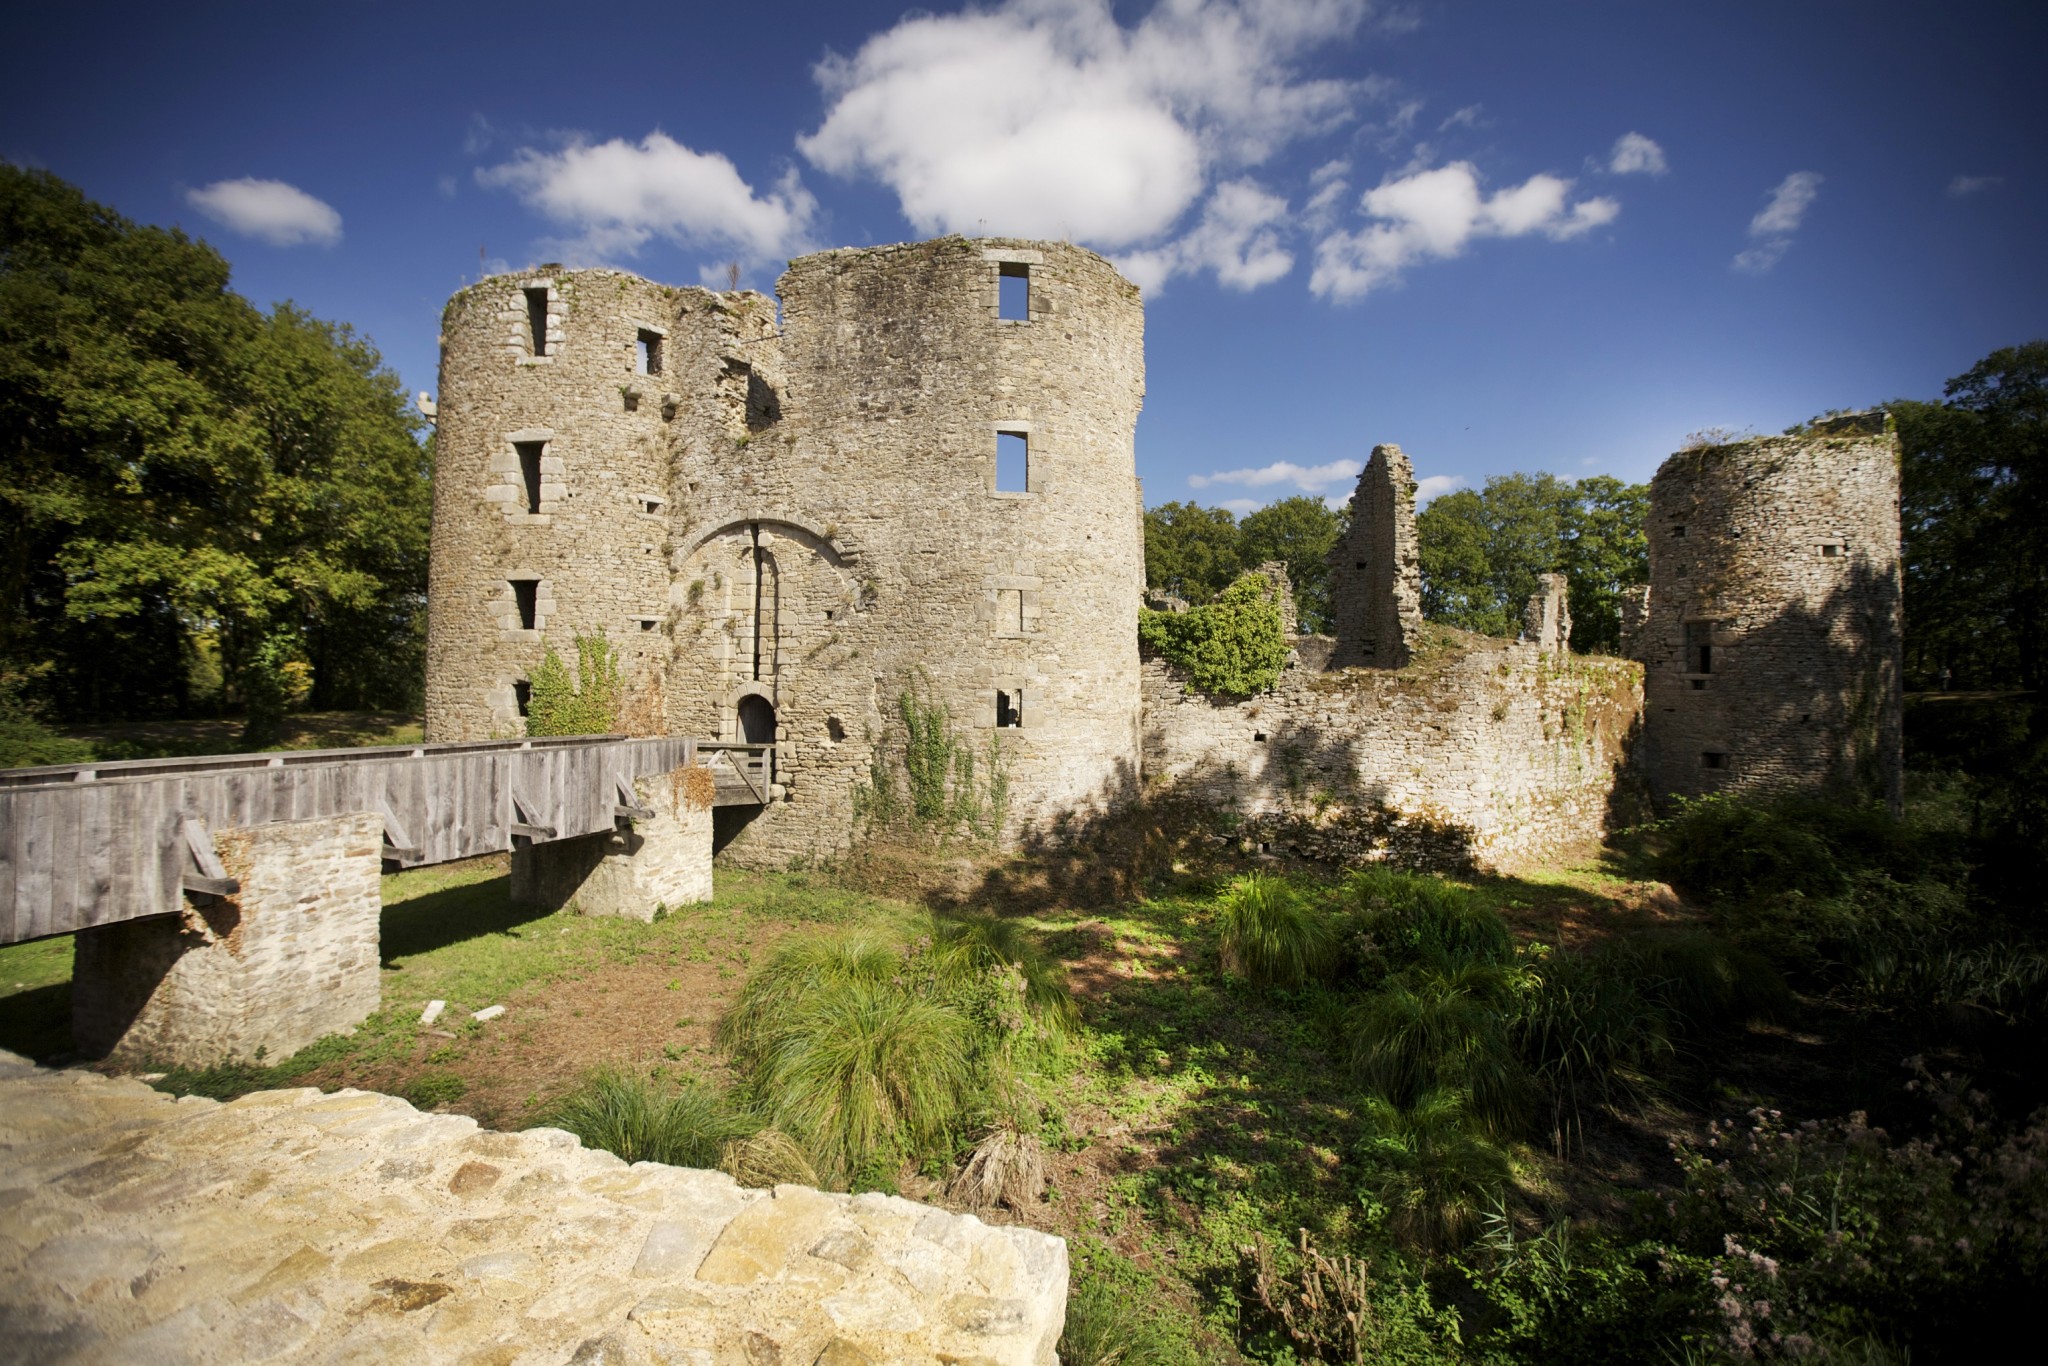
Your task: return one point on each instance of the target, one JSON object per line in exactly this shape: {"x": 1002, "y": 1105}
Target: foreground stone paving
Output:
{"x": 297, "y": 1226}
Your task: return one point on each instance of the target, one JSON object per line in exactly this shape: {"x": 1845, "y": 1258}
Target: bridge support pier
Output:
{"x": 663, "y": 861}
{"x": 290, "y": 958}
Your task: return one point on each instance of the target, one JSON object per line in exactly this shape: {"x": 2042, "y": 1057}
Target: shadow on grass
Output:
{"x": 434, "y": 920}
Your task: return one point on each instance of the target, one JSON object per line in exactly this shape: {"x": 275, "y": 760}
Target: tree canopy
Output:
{"x": 1482, "y": 550}
{"x": 1196, "y": 552}
{"x": 1974, "y": 522}
{"x": 193, "y": 488}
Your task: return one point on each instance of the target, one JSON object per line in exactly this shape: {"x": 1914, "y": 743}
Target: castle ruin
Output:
{"x": 917, "y": 479}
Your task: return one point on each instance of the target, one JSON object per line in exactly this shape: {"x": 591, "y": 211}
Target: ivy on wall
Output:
{"x": 1232, "y": 647}
{"x": 585, "y": 705}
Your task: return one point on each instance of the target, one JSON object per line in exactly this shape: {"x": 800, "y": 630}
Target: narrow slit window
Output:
{"x": 522, "y": 696}
{"x": 1013, "y": 292}
{"x": 526, "y": 593}
{"x": 1009, "y": 709}
{"x": 1013, "y": 462}
{"x": 647, "y": 353}
{"x": 529, "y": 470}
{"x": 537, "y": 319}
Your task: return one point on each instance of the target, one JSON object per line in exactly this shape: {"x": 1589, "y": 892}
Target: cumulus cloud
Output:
{"x": 1239, "y": 237}
{"x": 1049, "y": 118}
{"x": 1964, "y": 185}
{"x": 1307, "y": 478}
{"x": 1635, "y": 154}
{"x": 1241, "y": 506}
{"x": 1435, "y": 214}
{"x": 269, "y": 211}
{"x": 1436, "y": 485}
{"x": 615, "y": 196}
{"x": 1777, "y": 221}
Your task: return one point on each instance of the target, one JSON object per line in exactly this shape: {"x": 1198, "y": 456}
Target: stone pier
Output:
{"x": 293, "y": 1226}
{"x": 290, "y": 958}
{"x": 664, "y": 860}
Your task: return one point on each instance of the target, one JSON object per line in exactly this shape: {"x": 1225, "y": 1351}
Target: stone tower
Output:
{"x": 1771, "y": 645}
{"x": 921, "y": 481}
{"x": 1375, "y": 575}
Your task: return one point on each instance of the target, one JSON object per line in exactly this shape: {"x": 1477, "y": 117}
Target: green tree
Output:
{"x": 1973, "y": 517}
{"x": 184, "y": 473}
{"x": 1482, "y": 550}
{"x": 1300, "y": 532}
{"x": 1191, "y": 551}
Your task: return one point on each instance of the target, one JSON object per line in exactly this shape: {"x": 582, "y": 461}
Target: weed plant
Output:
{"x": 1271, "y": 935}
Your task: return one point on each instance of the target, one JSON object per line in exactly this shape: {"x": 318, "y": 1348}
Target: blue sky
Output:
{"x": 1506, "y": 236}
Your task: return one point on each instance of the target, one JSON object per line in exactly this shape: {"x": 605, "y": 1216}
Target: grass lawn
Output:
{"x": 222, "y": 734}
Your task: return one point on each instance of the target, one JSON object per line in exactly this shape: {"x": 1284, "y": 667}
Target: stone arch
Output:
{"x": 840, "y": 551}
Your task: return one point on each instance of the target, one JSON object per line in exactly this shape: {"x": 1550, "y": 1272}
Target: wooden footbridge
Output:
{"x": 85, "y": 845}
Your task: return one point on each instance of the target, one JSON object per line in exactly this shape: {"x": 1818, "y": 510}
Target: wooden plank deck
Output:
{"x": 90, "y": 844}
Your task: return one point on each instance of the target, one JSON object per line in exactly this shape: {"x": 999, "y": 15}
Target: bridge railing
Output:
{"x": 751, "y": 766}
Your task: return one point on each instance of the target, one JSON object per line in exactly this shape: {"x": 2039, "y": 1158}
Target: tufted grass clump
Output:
{"x": 870, "y": 1053}
{"x": 1432, "y": 1165}
{"x": 1271, "y": 935}
{"x": 1417, "y": 918}
{"x": 641, "y": 1121}
{"x": 1426, "y": 1030}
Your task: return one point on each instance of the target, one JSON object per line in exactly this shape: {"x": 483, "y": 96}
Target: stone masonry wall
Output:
{"x": 1481, "y": 752}
{"x": 828, "y": 528}
{"x": 662, "y": 862}
{"x": 1772, "y": 644}
{"x": 294, "y": 1226}
{"x": 1376, "y": 571}
{"x": 289, "y": 959}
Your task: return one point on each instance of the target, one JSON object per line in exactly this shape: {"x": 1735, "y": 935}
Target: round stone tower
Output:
{"x": 921, "y": 486}
{"x": 1772, "y": 645}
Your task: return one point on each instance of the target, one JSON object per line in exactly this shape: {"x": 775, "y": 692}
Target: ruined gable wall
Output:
{"x": 1484, "y": 752}
{"x": 1375, "y": 571}
{"x": 1781, "y": 556}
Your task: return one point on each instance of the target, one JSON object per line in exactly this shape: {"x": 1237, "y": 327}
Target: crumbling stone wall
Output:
{"x": 1375, "y": 571}
{"x": 828, "y": 526}
{"x": 296, "y": 1226}
{"x": 1547, "y": 619}
{"x": 1773, "y": 637}
{"x": 1481, "y": 752}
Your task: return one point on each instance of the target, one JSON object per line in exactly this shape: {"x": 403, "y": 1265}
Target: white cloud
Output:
{"x": 617, "y": 195}
{"x": 1307, "y": 478}
{"x": 1436, "y": 213}
{"x": 1238, "y": 238}
{"x": 1774, "y": 224}
{"x": 1241, "y": 506}
{"x": 1436, "y": 485}
{"x": 268, "y": 210}
{"x": 1468, "y": 117}
{"x": 1970, "y": 184}
{"x": 1635, "y": 154}
{"x": 1789, "y": 203}
{"x": 1049, "y": 118}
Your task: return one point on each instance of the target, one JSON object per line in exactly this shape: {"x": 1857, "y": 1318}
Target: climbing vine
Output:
{"x": 1232, "y": 647}
{"x": 947, "y": 791}
{"x": 585, "y": 705}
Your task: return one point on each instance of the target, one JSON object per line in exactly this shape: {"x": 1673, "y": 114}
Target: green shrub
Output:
{"x": 641, "y": 1121}
{"x": 1721, "y": 848}
{"x": 586, "y": 705}
{"x": 1431, "y": 1166}
{"x": 1426, "y": 1030}
{"x": 1590, "y": 1035}
{"x": 1416, "y": 918}
{"x": 25, "y": 740}
{"x": 984, "y": 944}
{"x": 1699, "y": 980}
{"x": 1232, "y": 647}
{"x": 1271, "y": 935}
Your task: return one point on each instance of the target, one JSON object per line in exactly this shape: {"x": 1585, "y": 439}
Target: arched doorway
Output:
{"x": 757, "y": 720}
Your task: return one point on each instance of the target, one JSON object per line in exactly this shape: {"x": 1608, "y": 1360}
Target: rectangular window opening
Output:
{"x": 1678, "y": 531}
{"x": 529, "y": 470}
{"x": 537, "y": 319}
{"x": 647, "y": 353}
{"x": 1830, "y": 551}
{"x": 1713, "y": 758}
{"x": 1014, "y": 292}
{"x": 1013, "y": 462}
{"x": 526, "y": 592}
{"x": 522, "y": 695}
{"x": 1010, "y": 609}
{"x": 1009, "y": 709}
{"x": 1699, "y": 647}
